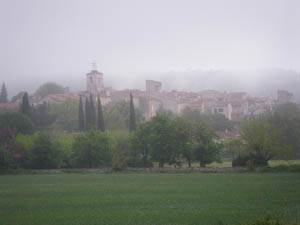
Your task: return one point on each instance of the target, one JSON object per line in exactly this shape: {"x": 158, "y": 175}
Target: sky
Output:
{"x": 57, "y": 40}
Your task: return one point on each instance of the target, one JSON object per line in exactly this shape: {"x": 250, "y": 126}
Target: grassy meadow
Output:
{"x": 147, "y": 198}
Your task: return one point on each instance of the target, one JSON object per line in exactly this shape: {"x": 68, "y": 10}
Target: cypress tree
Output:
{"x": 101, "y": 125}
{"x": 3, "y": 95}
{"x": 25, "y": 107}
{"x": 92, "y": 111}
{"x": 87, "y": 113}
{"x": 81, "y": 115}
{"x": 132, "y": 124}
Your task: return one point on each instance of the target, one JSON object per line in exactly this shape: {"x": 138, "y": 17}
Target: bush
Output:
{"x": 120, "y": 152}
{"x": 65, "y": 145}
{"x": 250, "y": 160}
{"x": 138, "y": 162}
{"x": 6, "y": 158}
{"x": 93, "y": 149}
{"x": 282, "y": 168}
{"x": 18, "y": 122}
{"x": 27, "y": 144}
{"x": 44, "y": 154}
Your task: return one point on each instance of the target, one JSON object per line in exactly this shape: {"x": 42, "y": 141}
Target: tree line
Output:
{"x": 27, "y": 141}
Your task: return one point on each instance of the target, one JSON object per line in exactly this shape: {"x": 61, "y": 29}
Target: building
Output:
{"x": 94, "y": 81}
{"x": 284, "y": 96}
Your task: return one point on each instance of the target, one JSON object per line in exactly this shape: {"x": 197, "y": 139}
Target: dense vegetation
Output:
{"x": 84, "y": 134}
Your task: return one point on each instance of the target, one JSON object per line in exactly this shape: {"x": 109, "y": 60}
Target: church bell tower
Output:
{"x": 94, "y": 81}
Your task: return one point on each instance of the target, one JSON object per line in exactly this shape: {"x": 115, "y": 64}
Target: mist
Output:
{"x": 188, "y": 45}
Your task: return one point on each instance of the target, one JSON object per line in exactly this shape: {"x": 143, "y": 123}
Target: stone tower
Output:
{"x": 94, "y": 81}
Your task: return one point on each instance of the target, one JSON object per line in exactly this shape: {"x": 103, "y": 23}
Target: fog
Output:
{"x": 188, "y": 45}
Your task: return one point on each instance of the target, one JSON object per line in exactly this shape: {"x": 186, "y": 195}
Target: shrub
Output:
{"x": 93, "y": 149}
{"x": 281, "y": 168}
{"x": 138, "y": 162}
{"x": 6, "y": 158}
{"x": 27, "y": 143}
{"x": 249, "y": 160}
{"x": 120, "y": 152}
{"x": 18, "y": 122}
{"x": 65, "y": 145}
{"x": 44, "y": 154}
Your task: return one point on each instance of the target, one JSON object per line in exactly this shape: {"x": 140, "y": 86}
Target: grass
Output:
{"x": 118, "y": 198}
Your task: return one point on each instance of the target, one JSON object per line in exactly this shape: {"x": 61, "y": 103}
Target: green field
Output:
{"x": 153, "y": 198}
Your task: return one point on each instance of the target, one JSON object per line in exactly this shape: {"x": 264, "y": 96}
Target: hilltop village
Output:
{"x": 233, "y": 105}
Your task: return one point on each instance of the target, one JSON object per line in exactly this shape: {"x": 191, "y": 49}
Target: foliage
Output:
{"x": 93, "y": 149}
{"x": 233, "y": 147}
{"x": 217, "y": 122}
{"x": 66, "y": 114}
{"x": 92, "y": 111}
{"x": 132, "y": 119}
{"x": 18, "y": 96}
{"x": 25, "y": 106}
{"x": 27, "y": 143}
{"x": 45, "y": 154}
{"x": 87, "y": 113}
{"x": 140, "y": 146}
{"x": 116, "y": 115}
{"x": 65, "y": 145}
{"x": 169, "y": 140}
{"x": 248, "y": 160}
{"x": 162, "y": 140}
{"x": 41, "y": 116}
{"x": 101, "y": 124}
{"x": 286, "y": 117}
{"x": 81, "y": 115}
{"x": 206, "y": 150}
{"x": 18, "y": 122}
{"x": 120, "y": 152}
{"x": 3, "y": 94}
{"x": 262, "y": 139}
{"x": 49, "y": 88}
{"x": 281, "y": 168}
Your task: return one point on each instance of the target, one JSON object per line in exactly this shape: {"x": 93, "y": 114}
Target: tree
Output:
{"x": 45, "y": 155}
{"x": 117, "y": 114}
{"x": 132, "y": 118}
{"x": 263, "y": 140}
{"x": 3, "y": 94}
{"x": 162, "y": 140}
{"x": 93, "y": 149}
{"x": 81, "y": 115}
{"x": 101, "y": 125}
{"x": 66, "y": 114}
{"x": 48, "y": 89}
{"x": 17, "y": 122}
{"x": 217, "y": 122}
{"x": 139, "y": 155}
{"x": 92, "y": 111}
{"x": 286, "y": 117}
{"x": 183, "y": 131}
{"x": 17, "y": 96}
{"x": 41, "y": 116}
{"x": 87, "y": 113}
{"x": 25, "y": 106}
{"x": 206, "y": 150}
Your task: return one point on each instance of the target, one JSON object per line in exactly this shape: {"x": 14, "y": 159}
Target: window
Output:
{"x": 221, "y": 110}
